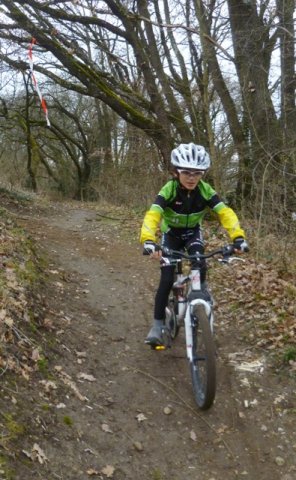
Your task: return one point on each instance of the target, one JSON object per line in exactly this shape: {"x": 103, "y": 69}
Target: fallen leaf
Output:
{"x": 138, "y": 446}
{"x": 48, "y": 385}
{"x": 167, "y": 410}
{"x": 28, "y": 454}
{"x": 47, "y": 323}
{"x": 141, "y": 417}
{"x": 222, "y": 429}
{"x": 80, "y": 354}
{"x": 35, "y": 355}
{"x": 108, "y": 471}
{"x": 91, "y": 472}
{"x": 36, "y": 454}
{"x": 254, "y": 366}
{"x": 88, "y": 450}
{"x": 106, "y": 428}
{"x": 8, "y": 321}
{"x": 39, "y": 453}
{"x": 54, "y": 272}
{"x": 67, "y": 381}
{"x": 85, "y": 376}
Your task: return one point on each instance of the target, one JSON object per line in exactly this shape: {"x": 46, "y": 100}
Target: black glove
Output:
{"x": 150, "y": 247}
{"x": 241, "y": 244}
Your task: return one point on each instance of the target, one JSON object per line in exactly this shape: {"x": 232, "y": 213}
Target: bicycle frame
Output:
{"x": 193, "y": 285}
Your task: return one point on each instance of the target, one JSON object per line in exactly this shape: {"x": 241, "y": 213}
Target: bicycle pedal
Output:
{"x": 159, "y": 347}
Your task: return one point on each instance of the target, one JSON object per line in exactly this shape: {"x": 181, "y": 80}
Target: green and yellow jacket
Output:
{"x": 177, "y": 208}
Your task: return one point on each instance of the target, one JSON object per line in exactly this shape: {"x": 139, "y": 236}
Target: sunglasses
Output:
{"x": 191, "y": 173}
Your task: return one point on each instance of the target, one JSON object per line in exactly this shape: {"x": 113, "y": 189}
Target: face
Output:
{"x": 189, "y": 178}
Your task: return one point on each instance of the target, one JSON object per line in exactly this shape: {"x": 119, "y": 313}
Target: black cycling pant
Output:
{"x": 192, "y": 242}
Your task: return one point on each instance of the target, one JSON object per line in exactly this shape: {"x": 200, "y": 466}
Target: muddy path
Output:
{"x": 100, "y": 412}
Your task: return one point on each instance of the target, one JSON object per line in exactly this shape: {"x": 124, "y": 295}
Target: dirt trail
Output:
{"x": 100, "y": 297}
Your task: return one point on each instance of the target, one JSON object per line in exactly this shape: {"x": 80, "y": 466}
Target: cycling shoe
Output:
{"x": 157, "y": 335}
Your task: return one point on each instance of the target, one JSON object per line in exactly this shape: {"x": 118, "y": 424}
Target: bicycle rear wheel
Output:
{"x": 203, "y": 365}
{"x": 171, "y": 317}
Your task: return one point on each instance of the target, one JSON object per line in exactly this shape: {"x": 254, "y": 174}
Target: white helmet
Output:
{"x": 189, "y": 155}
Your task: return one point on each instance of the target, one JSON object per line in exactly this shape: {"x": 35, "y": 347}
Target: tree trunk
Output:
{"x": 236, "y": 130}
{"x": 286, "y": 9}
{"x": 251, "y": 45}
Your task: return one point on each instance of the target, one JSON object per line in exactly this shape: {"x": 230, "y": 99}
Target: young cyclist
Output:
{"x": 179, "y": 209}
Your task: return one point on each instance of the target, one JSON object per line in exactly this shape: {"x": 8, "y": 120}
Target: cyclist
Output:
{"x": 179, "y": 209}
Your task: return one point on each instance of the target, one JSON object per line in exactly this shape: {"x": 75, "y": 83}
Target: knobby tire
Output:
{"x": 172, "y": 323}
{"x": 203, "y": 366}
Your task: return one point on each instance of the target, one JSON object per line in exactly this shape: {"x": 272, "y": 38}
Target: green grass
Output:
{"x": 157, "y": 475}
{"x": 6, "y": 473}
{"x": 13, "y": 428}
{"x": 289, "y": 354}
{"x": 68, "y": 421}
{"x": 42, "y": 364}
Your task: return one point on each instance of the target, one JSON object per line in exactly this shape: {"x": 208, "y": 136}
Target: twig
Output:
{"x": 187, "y": 406}
{"x": 110, "y": 218}
{"x": 188, "y": 29}
{"x": 10, "y": 390}
{"x": 4, "y": 369}
{"x": 21, "y": 335}
{"x": 211, "y": 40}
{"x": 116, "y": 219}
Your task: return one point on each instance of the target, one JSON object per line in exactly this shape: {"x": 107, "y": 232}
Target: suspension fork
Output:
{"x": 188, "y": 321}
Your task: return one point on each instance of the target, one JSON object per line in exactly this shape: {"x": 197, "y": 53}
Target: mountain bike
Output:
{"x": 192, "y": 306}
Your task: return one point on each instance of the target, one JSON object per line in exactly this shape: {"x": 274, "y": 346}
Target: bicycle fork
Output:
{"x": 188, "y": 323}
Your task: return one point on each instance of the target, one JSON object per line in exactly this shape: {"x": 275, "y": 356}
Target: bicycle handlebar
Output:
{"x": 225, "y": 251}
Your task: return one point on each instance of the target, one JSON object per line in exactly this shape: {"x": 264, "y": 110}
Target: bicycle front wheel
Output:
{"x": 203, "y": 364}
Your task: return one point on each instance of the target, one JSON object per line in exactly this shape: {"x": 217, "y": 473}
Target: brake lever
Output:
{"x": 228, "y": 259}
{"x": 224, "y": 259}
{"x": 165, "y": 261}
{"x": 233, "y": 259}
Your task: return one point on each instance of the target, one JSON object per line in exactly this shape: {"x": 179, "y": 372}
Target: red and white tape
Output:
{"x": 35, "y": 83}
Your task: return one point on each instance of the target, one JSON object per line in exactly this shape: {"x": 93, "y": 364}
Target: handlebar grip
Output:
{"x": 228, "y": 250}
{"x": 149, "y": 251}
{"x": 166, "y": 250}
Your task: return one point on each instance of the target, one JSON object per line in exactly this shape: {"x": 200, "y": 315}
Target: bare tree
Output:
{"x": 160, "y": 65}
{"x": 140, "y": 91}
